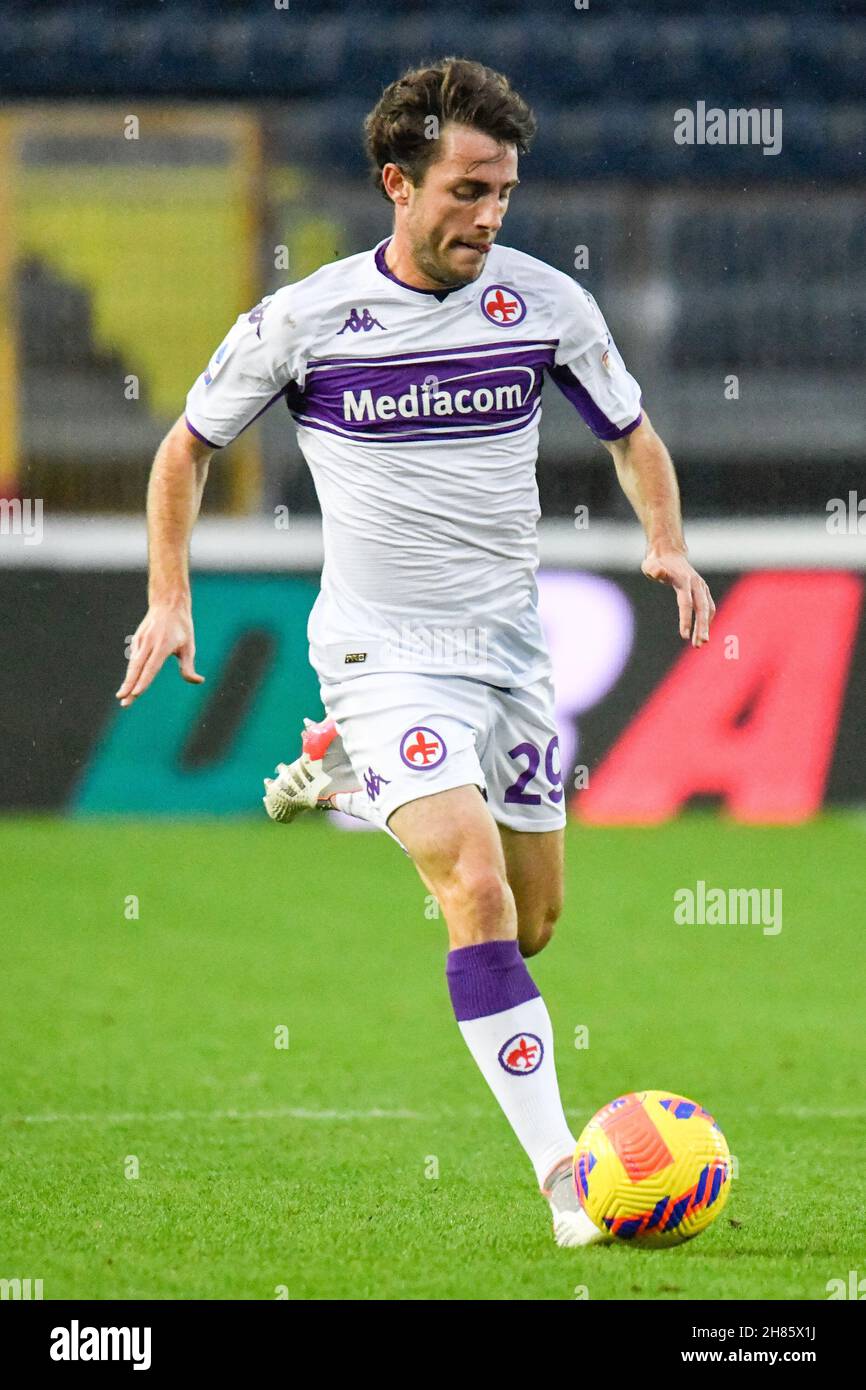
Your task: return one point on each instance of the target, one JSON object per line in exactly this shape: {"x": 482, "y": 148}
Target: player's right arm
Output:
{"x": 253, "y": 366}
{"x": 174, "y": 496}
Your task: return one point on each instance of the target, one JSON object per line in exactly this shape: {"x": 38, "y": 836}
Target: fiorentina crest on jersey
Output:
{"x": 422, "y": 748}
{"x": 502, "y": 306}
{"x": 522, "y": 1054}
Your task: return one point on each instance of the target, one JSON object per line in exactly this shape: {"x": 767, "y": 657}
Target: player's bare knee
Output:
{"x": 478, "y": 902}
{"x": 484, "y": 892}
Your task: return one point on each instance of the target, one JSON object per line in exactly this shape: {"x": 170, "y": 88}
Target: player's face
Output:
{"x": 453, "y": 218}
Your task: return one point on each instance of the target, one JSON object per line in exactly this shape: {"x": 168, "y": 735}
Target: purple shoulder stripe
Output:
{"x": 592, "y": 414}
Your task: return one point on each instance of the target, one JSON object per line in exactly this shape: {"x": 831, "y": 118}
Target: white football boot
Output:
{"x": 312, "y": 781}
{"x": 571, "y": 1225}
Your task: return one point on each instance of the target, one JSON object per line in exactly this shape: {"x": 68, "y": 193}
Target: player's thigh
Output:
{"x": 455, "y": 844}
{"x": 534, "y": 863}
{"x": 411, "y": 740}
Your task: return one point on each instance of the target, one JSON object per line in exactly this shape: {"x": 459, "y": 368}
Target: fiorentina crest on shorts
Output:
{"x": 502, "y": 306}
{"x": 422, "y": 747}
{"x": 522, "y": 1054}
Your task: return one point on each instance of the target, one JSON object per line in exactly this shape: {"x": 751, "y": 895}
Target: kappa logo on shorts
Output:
{"x": 422, "y": 748}
{"x": 374, "y": 781}
{"x": 502, "y": 306}
{"x": 522, "y": 1054}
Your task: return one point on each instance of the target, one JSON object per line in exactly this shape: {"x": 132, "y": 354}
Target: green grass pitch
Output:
{"x": 367, "y": 1159}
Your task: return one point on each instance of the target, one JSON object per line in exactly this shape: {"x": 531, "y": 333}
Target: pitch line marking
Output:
{"x": 175, "y": 1116}
{"x": 796, "y": 1112}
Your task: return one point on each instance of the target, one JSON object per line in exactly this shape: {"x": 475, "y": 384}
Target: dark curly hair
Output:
{"x": 454, "y": 89}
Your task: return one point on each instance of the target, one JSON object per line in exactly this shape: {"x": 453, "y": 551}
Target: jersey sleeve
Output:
{"x": 254, "y": 366}
{"x": 589, "y": 370}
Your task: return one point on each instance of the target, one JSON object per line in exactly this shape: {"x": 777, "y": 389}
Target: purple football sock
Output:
{"x": 487, "y": 979}
{"x": 506, "y": 1026}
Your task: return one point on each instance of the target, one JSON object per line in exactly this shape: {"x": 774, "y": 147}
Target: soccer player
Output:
{"x": 413, "y": 372}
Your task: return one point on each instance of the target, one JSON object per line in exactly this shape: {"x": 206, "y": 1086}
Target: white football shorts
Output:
{"x": 409, "y": 735}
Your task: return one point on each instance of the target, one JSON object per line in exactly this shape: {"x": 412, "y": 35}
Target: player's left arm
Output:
{"x": 647, "y": 477}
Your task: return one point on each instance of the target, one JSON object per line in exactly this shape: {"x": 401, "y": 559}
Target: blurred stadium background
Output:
{"x": 129, "y": 256}
{"x": 164, "y": 165}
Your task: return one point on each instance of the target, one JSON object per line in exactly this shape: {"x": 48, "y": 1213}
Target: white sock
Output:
{"x": 357, "y": 804}
{"x": 507, "y": 1028}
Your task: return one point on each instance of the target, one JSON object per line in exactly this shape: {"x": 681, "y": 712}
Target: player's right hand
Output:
{"x": 166, "y": 630}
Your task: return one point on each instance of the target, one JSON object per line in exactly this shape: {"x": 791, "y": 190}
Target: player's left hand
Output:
{"x": 694, "y": 599}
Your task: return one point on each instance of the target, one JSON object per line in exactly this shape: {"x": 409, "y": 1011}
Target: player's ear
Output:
{"x": 395, "y": 183}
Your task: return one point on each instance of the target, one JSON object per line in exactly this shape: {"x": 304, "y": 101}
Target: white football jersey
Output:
{"x": 418, "y": 412}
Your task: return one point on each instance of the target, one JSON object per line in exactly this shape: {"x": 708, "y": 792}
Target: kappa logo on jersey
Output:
{"x": 258, "y": 314}
{"x": 522, "y": 1054}
{"x": 361, "y": 323}
{"x": 422, "y": 748}
{"x": 502, "y": 306}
